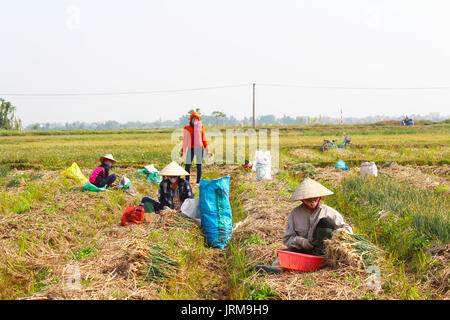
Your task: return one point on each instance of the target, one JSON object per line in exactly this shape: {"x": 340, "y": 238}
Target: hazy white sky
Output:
{"x": 50, "y": 46}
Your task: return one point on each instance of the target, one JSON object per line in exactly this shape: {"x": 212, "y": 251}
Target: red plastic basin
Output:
{"x": 299, "y": 261}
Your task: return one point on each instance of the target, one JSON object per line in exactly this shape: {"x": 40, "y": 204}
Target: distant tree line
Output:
{"x": 219, "y": 119}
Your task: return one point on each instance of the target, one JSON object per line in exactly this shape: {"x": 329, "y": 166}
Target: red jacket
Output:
{"x": 189, "y": 134}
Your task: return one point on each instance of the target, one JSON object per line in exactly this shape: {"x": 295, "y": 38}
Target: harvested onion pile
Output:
{"x": 166, "y": 218}
{"x": 350, "y": 249}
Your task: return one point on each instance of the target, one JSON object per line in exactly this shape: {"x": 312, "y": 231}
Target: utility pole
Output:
{"x": 254, "y": 126}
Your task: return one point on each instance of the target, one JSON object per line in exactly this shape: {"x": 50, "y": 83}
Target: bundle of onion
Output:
{"x": 350, "y": 249}
{"x": 166, "y": 218}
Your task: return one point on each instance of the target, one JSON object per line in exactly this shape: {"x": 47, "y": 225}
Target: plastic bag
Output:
{"x": 216, "y": 216}
{"x": 124, "y": 183}
{"x": 262, "y": 165}
{"x": 152, "y": 176}
{"x": 90, "y": 187}
{"x": 191, "y": 208}
{"x": 74, "y": 172}
{"x": 151, "y": 168}
{"x": 133, "y": 215}
{"x": 369, "y": 168}
{"x": 341, "y": 165}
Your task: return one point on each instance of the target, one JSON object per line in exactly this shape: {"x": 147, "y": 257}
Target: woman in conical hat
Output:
{"x": 173, "y": 190}
{"x": 309, "y": 223}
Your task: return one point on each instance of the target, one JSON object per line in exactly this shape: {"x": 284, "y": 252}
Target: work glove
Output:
{"x": 304, "y": 243}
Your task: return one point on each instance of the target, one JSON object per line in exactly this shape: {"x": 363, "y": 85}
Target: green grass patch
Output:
{"x": 4, "y": 171}
{"x": 84, "y": 253}
{"x": 20, "y": 205}
{"x": 417, "y": 218}
{"x": 426, "y": 210}
{"x": 39, "y": 279}
{"x": 441, "y": 189}
{"x": 14, "y": 183}
{"x": 252, "y": 239}
{"x": 308, "y": 280}
{"x": 237, "y": 191}
{"x": 261, "y": 291}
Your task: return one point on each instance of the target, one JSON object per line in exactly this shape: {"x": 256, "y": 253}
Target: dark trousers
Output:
{"x": 107, "y": 182}
{"x": 156, "y": 205}
{"x": 198, "y": 153}
{"x": 324, "y": 230}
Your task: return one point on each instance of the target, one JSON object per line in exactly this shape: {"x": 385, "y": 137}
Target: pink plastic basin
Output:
{"x": 299, "y": 261}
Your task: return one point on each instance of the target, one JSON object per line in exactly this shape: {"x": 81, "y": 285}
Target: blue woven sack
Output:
{"x": 341, "y": 165}
{"x": 216, "y": 216}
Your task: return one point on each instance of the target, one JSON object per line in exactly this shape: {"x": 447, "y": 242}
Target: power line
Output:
{"x": 353, "y": 88}
{"x": 88, "y": 94}
{"x": 119, "y": 93}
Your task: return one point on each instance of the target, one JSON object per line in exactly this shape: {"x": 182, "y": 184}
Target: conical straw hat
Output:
{"x": 173, "y": 169}
{"x": 310, "y": 189}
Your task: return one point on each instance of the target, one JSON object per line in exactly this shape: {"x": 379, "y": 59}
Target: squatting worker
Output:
{"x": 173, "y": 190}
{"x": 194, "y": 141}
{"x": 100, "y": 177}
{"x": 310, "y": 223}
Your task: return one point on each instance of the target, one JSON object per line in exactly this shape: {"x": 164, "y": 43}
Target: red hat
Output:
{"x": 194, "y": 114}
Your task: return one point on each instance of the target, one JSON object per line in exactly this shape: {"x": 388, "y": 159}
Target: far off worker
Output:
{"x": 194, "y": 140}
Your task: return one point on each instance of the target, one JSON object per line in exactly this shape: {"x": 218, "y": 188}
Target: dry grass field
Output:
{"x": 49, "y": 225}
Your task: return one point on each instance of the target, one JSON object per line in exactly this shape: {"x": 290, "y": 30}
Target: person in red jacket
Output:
{"x": 193, "y": 143}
